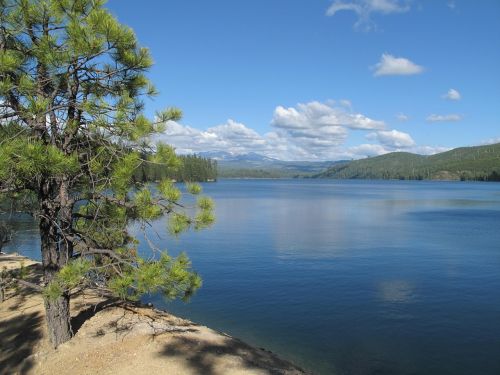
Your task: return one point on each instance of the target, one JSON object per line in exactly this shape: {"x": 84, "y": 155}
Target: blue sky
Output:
{"x": 323, "y": 80}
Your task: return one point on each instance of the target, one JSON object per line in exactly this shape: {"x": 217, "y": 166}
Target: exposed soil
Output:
{"x": 119, "y": 339}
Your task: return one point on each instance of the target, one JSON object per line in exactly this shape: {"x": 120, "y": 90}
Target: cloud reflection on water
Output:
{"x": 396, "y": 291}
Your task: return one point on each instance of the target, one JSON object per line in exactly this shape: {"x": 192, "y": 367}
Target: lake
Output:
{"x": 348, "y": 277}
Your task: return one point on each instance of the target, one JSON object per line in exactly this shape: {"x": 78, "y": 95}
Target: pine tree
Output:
{"x": 72, "y": 132}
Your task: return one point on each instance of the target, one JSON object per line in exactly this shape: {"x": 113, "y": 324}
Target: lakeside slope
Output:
{"x": 119, "y": 339}
{"x": 465, "y": 163}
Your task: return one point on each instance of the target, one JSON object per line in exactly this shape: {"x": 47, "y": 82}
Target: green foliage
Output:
{"x": 170, "y": 114}
{"x": 466, "y": 163}
{"x": 72, "y": 275}
{"x": 172, "y": 277}
{"x": 24, "y": 159}
{"x": 123, "y": 171}
{"x": 121, "y": 286}
{"x": 53, "y": 290}
{"x": 105, "y": 225}
{"x": 205, "y": 203}
{"x": 146, "y": 207}
{"x": 74, "y": 138}
{"x": 185, "y": 168}
{"x": 178, "y": 223}
{"x": 193, "y": 188}
{"x": 204, "y": 219}
{"x": 168, "y": 190}
{"x": 165, "y": 157}
{"x": 10, "y": 60}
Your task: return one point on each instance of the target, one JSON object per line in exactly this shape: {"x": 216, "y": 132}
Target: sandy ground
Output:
{"x": 113, "y": 339}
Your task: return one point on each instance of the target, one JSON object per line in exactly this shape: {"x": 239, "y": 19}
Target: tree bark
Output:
{"x": 56, "y": 251}
{"x": 58, "y": 319}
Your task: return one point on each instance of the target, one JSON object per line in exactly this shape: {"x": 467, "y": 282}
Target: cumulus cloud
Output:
{"x": 453, "y": 117}
{"x": 231, "y": 136}
{"x": 367, "y": 149}
{"x": 365, "y": 8}
{"x": 324, "y": 116}
{"x": 390, "y": 65}
{"x": 393, "y": 139}
{"x": 307, "y": 131}
{"x": 320, "y": 128}
{"x": 452, "y": 94}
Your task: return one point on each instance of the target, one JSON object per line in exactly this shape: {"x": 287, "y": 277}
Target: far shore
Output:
{"x": 117, "y": 338}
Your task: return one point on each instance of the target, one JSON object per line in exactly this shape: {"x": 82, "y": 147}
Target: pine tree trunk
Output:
{"x": 55, "y": 255}
{"x": 58, "y": 320}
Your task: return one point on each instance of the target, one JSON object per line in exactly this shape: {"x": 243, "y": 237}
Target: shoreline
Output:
{"x": 111, "y": 338}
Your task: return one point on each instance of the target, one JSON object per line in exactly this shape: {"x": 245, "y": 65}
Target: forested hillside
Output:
{"x": 192, "y": 168}
{"x": 253, "y": 165}
{"x": 465, "y": 163}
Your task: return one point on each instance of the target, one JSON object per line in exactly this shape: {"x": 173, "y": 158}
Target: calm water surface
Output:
{"x": 347, "y": 277}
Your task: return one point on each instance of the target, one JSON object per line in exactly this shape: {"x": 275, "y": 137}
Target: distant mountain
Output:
{"x": 464, "y": 163}
{"x": 254, "y": 165}
{"x": 227, "y": 156}
{"x": 215, "y": 155}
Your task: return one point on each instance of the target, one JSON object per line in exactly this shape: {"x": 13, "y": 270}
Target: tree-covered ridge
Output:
{"x": 191, "y": 168}
{"x": 480, "y": 163}
{"x": 253, "y": 165}
{"x": 228, "y": 172}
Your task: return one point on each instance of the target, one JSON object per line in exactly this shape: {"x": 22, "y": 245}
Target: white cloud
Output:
{"x": 393, "y": 139}
{"x": 304, "y": 144}
{"x": 316, "y": 115}
{"x": 429, "y": 150}
{"x": 320, "y": 128}
{"x": 453, "y": 117}
{"x": 231, "y": 136}
{"x": 391, "y": 65}
{"x": 489, "y": 141}
{"x": 451, "y": 4}
{"x": 402, "y": 117}
{"x": 369, "y": 150}
{"x": 308, "y": 131}
{"x": 365, "y": 8}
{"x": 452, "y": 94}
{"x": 366, "y": 149}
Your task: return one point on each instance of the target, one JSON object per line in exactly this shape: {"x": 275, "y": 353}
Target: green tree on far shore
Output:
{"x": 191, "y": 168}
{"x": 72, "y": 135}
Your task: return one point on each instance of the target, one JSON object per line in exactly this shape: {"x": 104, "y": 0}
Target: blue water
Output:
{"x": 350, "y": 277}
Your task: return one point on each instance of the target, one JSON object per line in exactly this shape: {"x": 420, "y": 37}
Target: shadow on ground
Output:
{"x": 16, "y": 344}
{"x": 87, "y": 311}
{"x": 20, "y": 333}
{"x": 22, "y": 293}
{"x": 202, "y": 356}
{"x": 154, "y": 323}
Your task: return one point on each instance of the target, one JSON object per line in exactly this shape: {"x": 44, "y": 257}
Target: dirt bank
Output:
{"x": 118, "y": 339}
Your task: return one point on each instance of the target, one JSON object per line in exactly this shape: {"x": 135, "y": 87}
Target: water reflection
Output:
{"x": 352, "y": 277}
{"x": 396, "y": 291}
{"x": 25, "y": 237}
